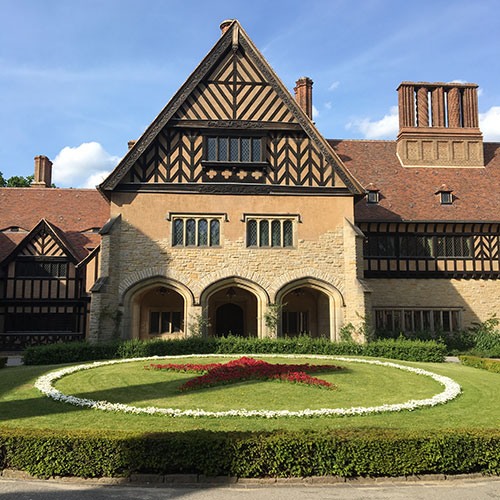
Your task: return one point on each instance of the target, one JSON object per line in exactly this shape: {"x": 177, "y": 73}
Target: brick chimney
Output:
{"x": 303, "y": 94}
{"x": 224, "y": 25}
{"x": 43, "y": 172}
{"x": 439, "y": 125}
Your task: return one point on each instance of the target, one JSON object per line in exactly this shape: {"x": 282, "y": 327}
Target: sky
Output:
{"x": 80, "y": 78}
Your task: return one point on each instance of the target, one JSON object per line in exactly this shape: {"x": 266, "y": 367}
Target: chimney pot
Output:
{"x": 43, "y": 172}
{"x": 224, "y": 25}
{"x": 131, "y": 144}
{"x": 303, "y": 94}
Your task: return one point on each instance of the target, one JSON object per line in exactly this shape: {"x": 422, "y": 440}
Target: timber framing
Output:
{"x": 234, "y": 39}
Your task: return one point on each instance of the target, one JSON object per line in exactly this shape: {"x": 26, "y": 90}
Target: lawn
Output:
{"x": 21, "y": 405}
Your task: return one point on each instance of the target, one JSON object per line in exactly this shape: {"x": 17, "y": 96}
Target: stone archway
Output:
{"x": 309, "y": 306}
{"x": 156, "y": 308}
{"x": 230, "y": 296}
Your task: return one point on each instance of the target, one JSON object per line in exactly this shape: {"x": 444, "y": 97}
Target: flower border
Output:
{"x": 451, "y": 391}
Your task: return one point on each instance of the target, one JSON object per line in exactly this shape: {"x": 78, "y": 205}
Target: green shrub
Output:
{"x": 82, "y": 351}
{"x": 3, "y": 362}
{"x": 346, "y": 453}
{"x": 492, "y": 365}
{"x": 487, "y": 336}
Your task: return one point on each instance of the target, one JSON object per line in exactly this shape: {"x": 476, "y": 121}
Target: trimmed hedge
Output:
{"x": 3, "y": 362}
{"x": 346, "y": 453}
{"x": 83, "y": 351}
{"x": 492, "y": 365}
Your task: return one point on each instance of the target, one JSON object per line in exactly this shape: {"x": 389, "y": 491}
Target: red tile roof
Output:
{"x": 72, "y": 211}
{"x": 409, "y": 193}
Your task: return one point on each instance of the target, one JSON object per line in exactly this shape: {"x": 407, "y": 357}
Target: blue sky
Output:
{"x": 79, "y": 78}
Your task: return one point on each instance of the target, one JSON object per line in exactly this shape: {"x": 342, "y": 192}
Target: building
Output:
{"x": 232, "y": 202}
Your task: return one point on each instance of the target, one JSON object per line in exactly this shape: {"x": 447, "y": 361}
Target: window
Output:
{"x": 446, "y": 198}
{"x": 269, "y": 231}
{"x": 294, "y": 323}
{"x": 233, "y": 149}
{"x": 373, "y": 197}
{"x": 164, "y": 322}
{"x": 42, "y": 269}
{"x": 412, "y": 320}
{"x": 199, "y": 231}
{"x": 454, "y": 246}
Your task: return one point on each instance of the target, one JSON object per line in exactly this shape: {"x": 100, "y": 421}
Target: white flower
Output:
{"x": 451, "y": 391}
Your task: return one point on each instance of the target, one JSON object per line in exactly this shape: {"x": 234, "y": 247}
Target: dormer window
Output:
{"x": 445, "y": 195}
{"x": 373, "y": 197}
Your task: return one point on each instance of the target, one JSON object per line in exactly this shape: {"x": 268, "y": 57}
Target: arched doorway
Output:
{"x": 156, "y": 308}
{"x": 229, "y": 320}
{"x": 309, "y": 307}
{"x": 234, "y": 305}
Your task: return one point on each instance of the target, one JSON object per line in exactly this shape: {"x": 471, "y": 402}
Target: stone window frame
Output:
{"x": 259, "y": 218}
{"x": 196, "y": 217}
{"x": 164, "y": 310}
{"x": 421, "y": 318}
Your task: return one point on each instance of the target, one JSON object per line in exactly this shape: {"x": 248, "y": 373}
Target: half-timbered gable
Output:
{"x": 233, "y": 123}
{"x": 46, "y": 270}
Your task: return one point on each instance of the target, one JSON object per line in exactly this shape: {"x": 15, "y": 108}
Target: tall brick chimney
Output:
{"x": 43, "y": 172}
{"x": 439, "y": 125}
{"x": 303, "y": 94}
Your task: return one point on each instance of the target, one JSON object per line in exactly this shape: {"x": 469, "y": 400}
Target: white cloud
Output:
{"x": 387, "y": 127}
{"x": 489, "y": 123}
{"x": 328, "y": 105}
{"x": 479, "y": 91}
{"x": 83, "y": 166}
{"x": 315, "y": 112}
{"x": 458, "y": 81}
{"x": 334, "y": 85}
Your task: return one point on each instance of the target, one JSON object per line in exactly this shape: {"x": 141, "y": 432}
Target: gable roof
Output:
{"x": 409, "y": 193}
{"x": 70, "y": 212}
{"x": 231, "y": 39}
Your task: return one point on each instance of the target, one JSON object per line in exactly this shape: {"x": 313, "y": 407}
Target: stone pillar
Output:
{"x": 454, "y": 108}
{"x": 422, "y": 107}
{"x": 470, "y": 111}
{"x": 438, "y": 109}
{"x": 303, "y": 94}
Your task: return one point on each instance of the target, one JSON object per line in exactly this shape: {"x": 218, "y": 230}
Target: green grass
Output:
{"x": 22, "y": 406}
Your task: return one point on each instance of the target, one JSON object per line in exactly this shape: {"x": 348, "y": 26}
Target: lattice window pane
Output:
{"x": 276, "y": 233}
{"x": 233, "y": 149}
{"x": 457, "y": 241}
{"x": 287, "y": 233}
{"x": 223, "y": 148}
{"x": 264, "y": 233}
{"x": 448, "y": 252}
{"x": 211, "y": 148}
{"x": 252, "y": 233}
{"x": 440, "y": 249}
{"x": 190, "y": 232}
{"x": 178, "y": 232}
{"x": 256, "y": 154}
{"x": 202, "y": 232}
{"x": 245, "y": 149}
{"x": 214, "y": 233}
{"x": 467, "y": 241}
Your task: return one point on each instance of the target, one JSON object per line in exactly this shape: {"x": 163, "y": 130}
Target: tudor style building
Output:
{"x": 232, "y": 202}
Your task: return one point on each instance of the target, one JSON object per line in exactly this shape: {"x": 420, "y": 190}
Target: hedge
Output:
{"x": 492, "y": 365}
{"x": 83, "y": 351}
{"x": 3, "y": 361}
{"x": 346, "y": 453}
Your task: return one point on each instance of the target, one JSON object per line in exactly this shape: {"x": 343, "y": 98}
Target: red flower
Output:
{"x": 246, "y": 369}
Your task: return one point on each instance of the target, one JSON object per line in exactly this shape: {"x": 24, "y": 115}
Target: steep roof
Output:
{"x": 71, "y": 212}
{"x": 409, "y": 194}
{"x": 230, "y": 40}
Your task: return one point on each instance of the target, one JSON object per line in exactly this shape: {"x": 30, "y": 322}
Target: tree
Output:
{"x": 19, "y": 181}
{"x": 3, "y": 182}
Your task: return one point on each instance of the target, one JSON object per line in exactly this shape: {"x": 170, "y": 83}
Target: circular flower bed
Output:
{"x": 451, "y": 391}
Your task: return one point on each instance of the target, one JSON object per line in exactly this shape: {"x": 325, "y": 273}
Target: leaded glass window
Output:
{"x": 276, "y": 233}
{"x": 178, "y": 232}
{"x": 190, "y": 232}
{"x": 214, "y": 232}
{"x": 234, "y": 149}
{"x": 252, "y": 233}
{"x": 202, "y": 232}
{"x": 403, "y": 320}
{"x": 264, "y": 233}
{"x": 287, "y": 233}
{"x": 211, "y": 148}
